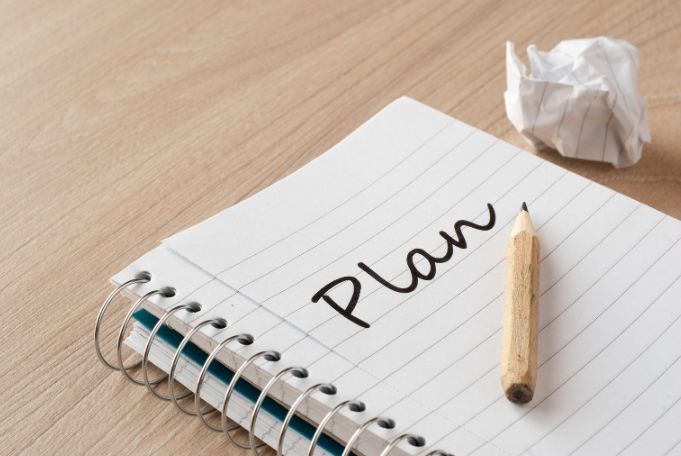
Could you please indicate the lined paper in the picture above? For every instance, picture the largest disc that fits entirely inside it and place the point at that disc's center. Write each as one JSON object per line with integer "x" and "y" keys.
{"x": 610, "y": 332}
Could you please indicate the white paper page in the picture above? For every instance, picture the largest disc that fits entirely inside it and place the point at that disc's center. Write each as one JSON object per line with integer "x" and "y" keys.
{"x": 610, "y": 285}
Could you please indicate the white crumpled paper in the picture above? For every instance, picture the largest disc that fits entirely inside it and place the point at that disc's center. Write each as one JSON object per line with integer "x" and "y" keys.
{"x": 580, "y": 99}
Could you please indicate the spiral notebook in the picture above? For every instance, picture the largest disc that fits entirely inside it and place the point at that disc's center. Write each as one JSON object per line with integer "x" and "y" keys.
{"x": 377, "y": 270}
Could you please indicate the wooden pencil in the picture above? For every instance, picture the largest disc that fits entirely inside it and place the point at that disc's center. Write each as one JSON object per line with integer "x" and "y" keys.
{"x": 521, "y": 302}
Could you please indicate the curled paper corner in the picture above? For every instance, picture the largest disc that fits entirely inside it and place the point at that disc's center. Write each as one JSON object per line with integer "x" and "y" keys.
{"x": 579, "y": 98}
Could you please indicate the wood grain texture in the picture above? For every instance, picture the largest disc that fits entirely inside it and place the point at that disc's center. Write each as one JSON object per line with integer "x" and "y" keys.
{"x": 518, "y": 361}
{"x": 124, "y": 122}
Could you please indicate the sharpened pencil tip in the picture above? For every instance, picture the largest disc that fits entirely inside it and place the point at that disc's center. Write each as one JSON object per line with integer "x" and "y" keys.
{"x": 524, "y": 207}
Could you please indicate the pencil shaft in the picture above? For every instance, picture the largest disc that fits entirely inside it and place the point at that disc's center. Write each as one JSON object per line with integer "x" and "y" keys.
{"x": 520, "y": 321}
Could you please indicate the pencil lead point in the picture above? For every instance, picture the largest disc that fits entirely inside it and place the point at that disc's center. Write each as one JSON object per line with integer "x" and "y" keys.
{"x": 524, "y": 207}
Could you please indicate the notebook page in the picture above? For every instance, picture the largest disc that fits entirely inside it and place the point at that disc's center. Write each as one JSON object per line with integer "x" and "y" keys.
{"x": 609, "y": 341}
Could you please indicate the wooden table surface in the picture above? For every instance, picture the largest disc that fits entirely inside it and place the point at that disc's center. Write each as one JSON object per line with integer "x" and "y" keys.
{"x": 124, "y": 122}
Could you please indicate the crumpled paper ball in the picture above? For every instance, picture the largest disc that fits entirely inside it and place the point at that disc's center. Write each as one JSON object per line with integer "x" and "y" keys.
{"x": 580, "y": 98}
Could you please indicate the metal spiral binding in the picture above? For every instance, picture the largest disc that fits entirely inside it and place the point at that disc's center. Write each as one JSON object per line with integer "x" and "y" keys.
{"x": 385, "y": 423}
{"x": 299, "y": 372}
{"x": 142, "y": 277}
{"x": 165, "y": 292}
{"x": 413, "y": 439}
{"x": 192, "y": 307}
{"x": 269, "y": 355}
{"x": 353, "y": 405}
{"x": 244, "y": 339}
{"x": 218, "y": 323}
{"x": 325, "y": 388}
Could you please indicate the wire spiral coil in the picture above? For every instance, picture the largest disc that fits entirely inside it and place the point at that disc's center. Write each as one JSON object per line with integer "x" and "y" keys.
{"x": 225, "y": 426}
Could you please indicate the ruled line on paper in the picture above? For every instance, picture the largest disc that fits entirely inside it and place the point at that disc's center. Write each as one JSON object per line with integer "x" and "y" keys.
{"x": 411, "y": 237}
{"x": 672, "y": 448}
{"x": 385, "y": 227}
{"x": 581, "y": 126}
{"x": 652, "y": 424}
{"x": 440, "y": 339}
{"x": 363, "y": 215}
{"x": 490, "y": 440}
{"x": 539, "y": 106}
{"x": 434, "y": 249}
{"x": 357, "y": 364}
{"x": 627, "y": 405}
{"x": 538, "y": 403}
{"x": 591, "y": 322}
{"x": 499, "y": 262}
{"x": 344, "y": 202}
{"x": 620, "y": 372}
{"x": 614, "y": 78}
{"x": 607, "y": 126}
